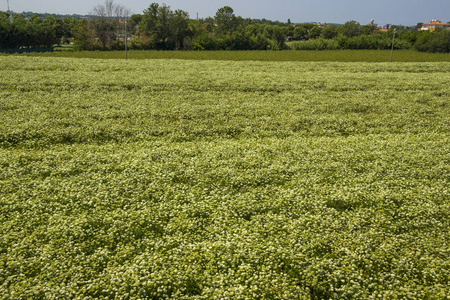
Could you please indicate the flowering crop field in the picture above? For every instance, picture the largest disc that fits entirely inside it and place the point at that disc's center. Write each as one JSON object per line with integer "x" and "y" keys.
{"x": 185, "y": 179}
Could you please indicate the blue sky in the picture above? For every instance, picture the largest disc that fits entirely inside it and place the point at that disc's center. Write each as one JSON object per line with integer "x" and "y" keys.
{"x": 404, "y": 12}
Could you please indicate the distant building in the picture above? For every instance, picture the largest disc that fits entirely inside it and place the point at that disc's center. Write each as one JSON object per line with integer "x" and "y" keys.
{"x": 435, "y": 24}
{"x": 321, "y": 25}
{"x": 385, "y": 28}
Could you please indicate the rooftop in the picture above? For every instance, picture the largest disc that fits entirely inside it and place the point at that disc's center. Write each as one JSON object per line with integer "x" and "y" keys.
{"x": 437, "y": 22}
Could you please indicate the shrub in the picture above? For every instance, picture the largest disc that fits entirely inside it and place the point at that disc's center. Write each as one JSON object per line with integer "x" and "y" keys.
{"x": 437, "y": 41}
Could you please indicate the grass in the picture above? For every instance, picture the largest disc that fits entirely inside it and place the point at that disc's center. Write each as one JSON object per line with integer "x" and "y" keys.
{"x": 326, "y": 55}
{"x": 190, "y": 179}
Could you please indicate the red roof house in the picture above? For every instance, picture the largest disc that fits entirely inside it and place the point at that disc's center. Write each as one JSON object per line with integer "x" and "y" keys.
{"x": 435, "y": 24}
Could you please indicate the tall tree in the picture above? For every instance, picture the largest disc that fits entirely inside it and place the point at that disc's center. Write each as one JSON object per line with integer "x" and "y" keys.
{"x": 315, "y": 32}
{"x": 300, "y": 33}
{"x": 225, "y": 20}
{"x": 81, "y": 36}
{"x": 181, "y": 27}
{"x": 165, "y": 28}
{"x": 102, "y": 25}
{"x": 328, "y": 32}
{"x": 149, "y": 22}
{"x": 6, "y": 30}
{"x": 107, "y": 23}
{"x": 350, "y": 29}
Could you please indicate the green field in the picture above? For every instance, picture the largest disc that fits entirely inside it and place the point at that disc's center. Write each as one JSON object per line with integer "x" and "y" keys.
{"x": 210, "y": 179}
{"x": 303, "y": 55}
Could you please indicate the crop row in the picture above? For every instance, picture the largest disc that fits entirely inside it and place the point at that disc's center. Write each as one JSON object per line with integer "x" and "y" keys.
{"x": 105, "y": 101}
{"x": 223, "y": 180}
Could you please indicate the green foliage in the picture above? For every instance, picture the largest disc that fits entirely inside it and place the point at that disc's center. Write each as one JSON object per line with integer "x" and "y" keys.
{"x": 315, "y": 32}
{"x": 436, "y": 41}
{"x": 5, "y": 32}
{"x": 203, "y": 41}
{"x": 329, "y": 32}
{"x": 181, "y": 179}
{"x": 104, "y": 30}
{"x": 350, "y": 29}
{"x": 300, "y": 33}
{"x": 260, "y": 42}
{"x": 35, "y": 32}
{"x": 275, "y": 34}
{"x": 226, "y": 20}
{"x": 160, "y": 28}
{"x": 166, "y": 29}
{"x": 371, "y": 42}
{"x": 82, "y": 38}
{"x": 362, "y": 42}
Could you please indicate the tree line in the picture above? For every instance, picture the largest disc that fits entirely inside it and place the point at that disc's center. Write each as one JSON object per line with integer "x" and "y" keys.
{"x": 161, "y": 28}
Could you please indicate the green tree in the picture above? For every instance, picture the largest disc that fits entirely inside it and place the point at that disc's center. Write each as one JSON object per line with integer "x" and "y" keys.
{"x": 315, "y": 32}
{"x": 254, "y": 29}
{"x": 51, "y": 32}
{"x": 156, "y": 23}
{"x": 300, "y": 33}
{"x": 275, "y": 33}
{"x": 21, "y": 35}
{"x": 165, "y": 28}
{"x": 368, "y": 29}
{"x": 181, "y": 27}
{"x": 104, "y": 31}
{"x": 329, "y": 32}
{"x": 260, "y": 42}
{"x": 289, "y": 30}
{"x": 149, "y": 22}
{"x": 225, "y": 20}
{"x": 81, "y": 36}
{"x": 435, "y": 41}
{"x": 6, "y": 32}
{"x": 350, "y": 29}
{"x": 68, "y": 27}
{"x": 34, "y": 31}
{"x": 133, "y": 23}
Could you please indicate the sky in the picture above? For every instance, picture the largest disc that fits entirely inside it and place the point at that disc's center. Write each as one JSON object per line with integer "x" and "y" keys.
{"x": 399, "y": 12}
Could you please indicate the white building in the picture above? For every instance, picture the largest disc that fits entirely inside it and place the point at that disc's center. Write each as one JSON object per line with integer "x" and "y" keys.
{"x": 435, "y": 24}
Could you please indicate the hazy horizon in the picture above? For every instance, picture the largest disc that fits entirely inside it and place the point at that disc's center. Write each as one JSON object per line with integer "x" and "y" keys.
{"x": 400, "y": 12}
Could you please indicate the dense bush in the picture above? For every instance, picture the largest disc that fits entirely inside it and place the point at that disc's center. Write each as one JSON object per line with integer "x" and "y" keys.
{"x": 371, "y": 42}
{"x": 435, "y": 41}
{"x": 35, "y": 32}
{"x": 362, "y": 42}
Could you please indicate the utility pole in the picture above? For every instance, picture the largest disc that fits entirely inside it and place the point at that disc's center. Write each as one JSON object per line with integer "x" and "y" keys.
{"x": 126, "y": 13}
{"x": 126, "y": 39}
{"x": 9, "y": 11}
{"x": 392, "y": 49}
